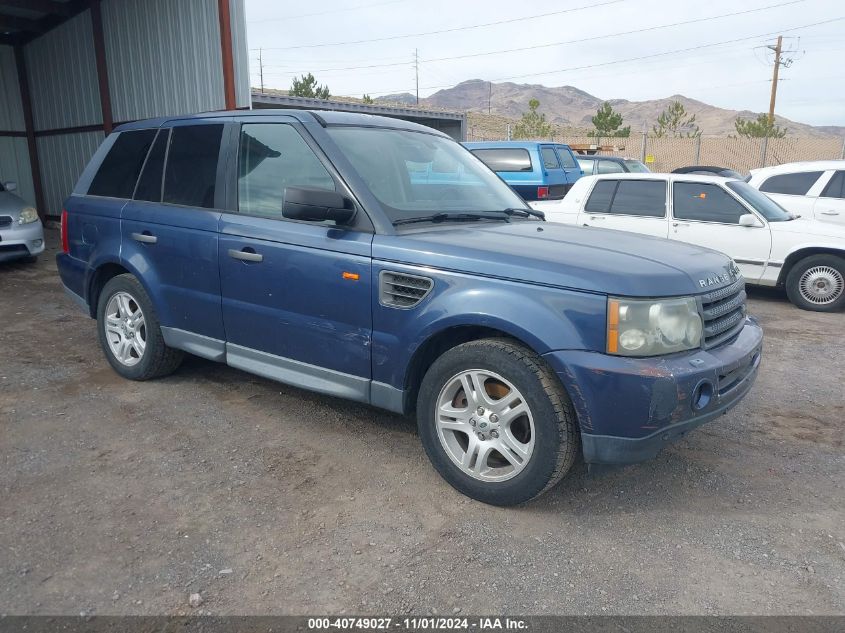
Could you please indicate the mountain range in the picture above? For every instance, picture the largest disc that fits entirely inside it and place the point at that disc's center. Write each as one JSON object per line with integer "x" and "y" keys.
{"x": 570, "y": 107}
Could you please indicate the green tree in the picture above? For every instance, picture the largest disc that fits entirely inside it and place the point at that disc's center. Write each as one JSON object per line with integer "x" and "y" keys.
{"x": 533, "y": 124}
{"x": 367, "y": 99}
{"x": 674, "y": 121}
{"x": 607, "y": 123}
{"x": 759, "y": 128}
{"x": 306, "y": 86}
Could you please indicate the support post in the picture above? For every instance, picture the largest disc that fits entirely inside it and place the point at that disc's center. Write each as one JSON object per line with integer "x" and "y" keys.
{"x": 32, "y": 146}
{"x": 102, "y": 67}
{"x": 644, "y": 147}
{"x": 697, "y": 150}
{"x": 764, "y": 146}
{"x": 225, "y": 18}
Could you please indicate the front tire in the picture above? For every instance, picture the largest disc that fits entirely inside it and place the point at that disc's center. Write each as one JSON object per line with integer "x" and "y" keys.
{"x": 495, "y": 422}
{"x": 817, "y": 283}
{"x": 130, "y": 333}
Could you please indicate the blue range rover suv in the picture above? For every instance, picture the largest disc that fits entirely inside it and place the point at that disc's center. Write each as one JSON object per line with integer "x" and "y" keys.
{"x": 313, "y": 249}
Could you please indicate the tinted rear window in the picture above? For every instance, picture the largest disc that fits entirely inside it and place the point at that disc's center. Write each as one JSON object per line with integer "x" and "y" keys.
{"x": 549, "y": 158}
{"x": 566, "y": 158}
{"x": 836, "y": 187}
{"x": 505, "y": 159}
{"x": 149, "y": 185}
{"x": 792, "y": 184}
{"x": 601, "y": 197}
{"x": 640, "y": 197}
{"x": 119, "y": 171}
{"x": 191, "y": 171}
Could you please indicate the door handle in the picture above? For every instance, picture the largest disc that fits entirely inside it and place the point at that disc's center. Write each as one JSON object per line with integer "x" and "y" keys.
{"x": 677, "y": 224}
{"x": 247, "y": 256}
{"x": 597, "y": 217}
{"x": 144, "y": 238}
{"x": 831, "y": 212}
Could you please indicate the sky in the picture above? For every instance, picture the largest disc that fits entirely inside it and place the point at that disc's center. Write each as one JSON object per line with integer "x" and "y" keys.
{"x": 713, "y": 51}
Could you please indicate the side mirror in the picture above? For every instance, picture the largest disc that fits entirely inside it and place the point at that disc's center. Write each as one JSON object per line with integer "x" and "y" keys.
{"x": 317, "y": 205}
{"x": 748, "y": 219}
{"x": 10, "y": 186}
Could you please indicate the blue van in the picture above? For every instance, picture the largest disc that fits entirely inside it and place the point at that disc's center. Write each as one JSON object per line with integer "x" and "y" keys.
{"x": 535, "y": 170}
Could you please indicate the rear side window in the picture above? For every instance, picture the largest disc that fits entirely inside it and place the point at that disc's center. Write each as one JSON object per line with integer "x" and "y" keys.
{"x": 791, "y": 184}
{"x": 271, "y": 157}
{"x": 566, "y": 158}
{"x": 610, "y": 167}
{"x": 149, "y": 184}
{"x": 836, "y": 187}
{"x": 119, "y": 171}
{"x": 705, "y": 202}
{"x": 505, "y": 159}
{"x": 586, "y": 166}
{"x": 640, "y": 197}
{"x": 601, "y": 197}
{"x": 549, "y": 158}
{"x": 191, "y": 172}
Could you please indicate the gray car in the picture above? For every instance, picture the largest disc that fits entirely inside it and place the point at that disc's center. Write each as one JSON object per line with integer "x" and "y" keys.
{"x": 21, "y": 232}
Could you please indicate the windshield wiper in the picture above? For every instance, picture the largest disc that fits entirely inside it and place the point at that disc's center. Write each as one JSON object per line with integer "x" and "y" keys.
{"x": 455, "y": 217}
{"x": 525, "y": 212}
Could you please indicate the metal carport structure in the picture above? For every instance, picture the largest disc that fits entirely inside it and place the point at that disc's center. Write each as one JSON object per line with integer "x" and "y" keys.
{"x": 71, "y": 70}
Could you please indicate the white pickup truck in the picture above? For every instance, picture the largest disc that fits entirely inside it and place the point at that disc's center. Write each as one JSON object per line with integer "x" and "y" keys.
{"x": 770, "y": 246}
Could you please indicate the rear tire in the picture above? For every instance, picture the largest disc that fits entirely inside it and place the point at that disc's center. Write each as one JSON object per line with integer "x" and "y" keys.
{"x": 487, "y": 445}
{"x": 130, "y": 333}
{"x": 817, "y": 283}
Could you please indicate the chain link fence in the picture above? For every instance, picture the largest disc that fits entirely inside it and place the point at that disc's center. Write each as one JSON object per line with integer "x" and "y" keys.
{"x": 665, "y": 154}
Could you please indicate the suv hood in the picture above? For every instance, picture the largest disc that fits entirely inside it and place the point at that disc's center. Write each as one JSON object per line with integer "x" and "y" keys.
{"x": 583, "y": 258}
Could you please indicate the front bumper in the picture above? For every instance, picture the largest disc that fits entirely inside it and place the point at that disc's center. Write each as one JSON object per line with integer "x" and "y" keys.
{"x": 630, "y": 408}
{"x": 26, "y": 240}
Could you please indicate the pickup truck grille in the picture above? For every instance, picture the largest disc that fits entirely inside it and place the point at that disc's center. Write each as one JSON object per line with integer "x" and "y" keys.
{"x": 5, "y": 221}
{"x": 398, "y": 290}
{"x": 723, "y": 312}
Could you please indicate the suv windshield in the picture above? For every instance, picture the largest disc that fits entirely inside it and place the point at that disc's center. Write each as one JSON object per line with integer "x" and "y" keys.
{"x": 762, "y": 203}
{"x": 635, "y": 166}
{"x": 415, "y": 175}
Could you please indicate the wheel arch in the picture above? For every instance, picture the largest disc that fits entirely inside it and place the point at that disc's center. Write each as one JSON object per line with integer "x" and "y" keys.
{"x": 801, "y": 253}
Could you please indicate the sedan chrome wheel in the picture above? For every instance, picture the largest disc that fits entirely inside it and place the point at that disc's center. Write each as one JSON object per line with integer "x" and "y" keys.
{"x": 125, "y": 329}
{"x": 485, "y": 425}
{"x": 821, "y": 285}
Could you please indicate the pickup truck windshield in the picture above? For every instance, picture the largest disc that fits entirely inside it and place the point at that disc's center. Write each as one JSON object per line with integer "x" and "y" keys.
{"x": 762, "y": 203}
{"x": 414, "y": 174}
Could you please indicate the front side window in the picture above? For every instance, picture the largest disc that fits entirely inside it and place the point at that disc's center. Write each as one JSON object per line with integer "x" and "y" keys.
{"x": 836, "y": 187}
{"x": 704, "y": 202}
{"x": 797, "y": 184}
{"x": 414, "y": 174}
{"x": 586, "y": 166}
{"x": 610, "y": 167}
{"x": 191, "y": 172}
{"x": 549, "y": 158}
{"x": 272, "y": 157}
{"x": 119, "y": 171}
{"x": 505, "y": 159}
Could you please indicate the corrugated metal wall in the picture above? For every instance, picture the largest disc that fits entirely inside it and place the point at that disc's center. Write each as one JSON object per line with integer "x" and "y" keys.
{"x": 14, "y": 155}
{"x": 62, "y": 75}
{"x": 240, "y": 54}
{"x": 63, "y": 157}
{"x": 163, "y": 57}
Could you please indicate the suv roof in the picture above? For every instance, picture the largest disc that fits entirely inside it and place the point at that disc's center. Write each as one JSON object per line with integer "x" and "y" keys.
{"x": 615, "y": 159}
{"x": 516, "y": 144}
{"x": 806, "y": 165}
{"x": 323, "y": 117}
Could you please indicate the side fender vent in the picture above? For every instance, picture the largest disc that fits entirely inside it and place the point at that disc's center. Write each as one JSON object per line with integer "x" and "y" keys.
{"x": 398, "y": 290}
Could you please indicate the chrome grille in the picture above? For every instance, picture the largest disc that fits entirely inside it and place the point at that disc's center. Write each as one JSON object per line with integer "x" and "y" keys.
{"x": 723, "y": 312}
{"x": 5, "y": 221}
{"x": 398, "y": 290}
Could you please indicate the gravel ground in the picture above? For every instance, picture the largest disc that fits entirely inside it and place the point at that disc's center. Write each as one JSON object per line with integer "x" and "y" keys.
{"x": 125, "y": 498}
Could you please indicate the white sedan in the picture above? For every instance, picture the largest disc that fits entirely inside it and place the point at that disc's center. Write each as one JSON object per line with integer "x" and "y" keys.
{"x": 812, "y": 189}
{"x": 770, "y": 246}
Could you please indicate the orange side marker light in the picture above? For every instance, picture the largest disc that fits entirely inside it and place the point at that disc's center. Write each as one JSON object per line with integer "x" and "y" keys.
{"x": 351, "y": 276}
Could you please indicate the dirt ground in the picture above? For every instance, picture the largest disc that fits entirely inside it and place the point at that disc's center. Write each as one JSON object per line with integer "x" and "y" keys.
{"x": 123, "y": 498}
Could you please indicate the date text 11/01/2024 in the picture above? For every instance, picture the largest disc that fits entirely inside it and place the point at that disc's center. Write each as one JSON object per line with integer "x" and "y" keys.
{"x": 418, "y": 623}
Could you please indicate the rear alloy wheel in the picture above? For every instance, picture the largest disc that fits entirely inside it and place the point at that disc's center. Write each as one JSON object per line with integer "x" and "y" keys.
{"x": 129, "y": 331}
{"x": 817, "y": 283}
{"x": 495, "y": 422}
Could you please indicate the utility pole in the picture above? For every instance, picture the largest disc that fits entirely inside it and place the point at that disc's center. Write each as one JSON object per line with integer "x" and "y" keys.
{"x": 489, "y": 95}
{"x": 261, "y": 69}
{"x": 417, "y": 72}
{"x": 778, "y": 49}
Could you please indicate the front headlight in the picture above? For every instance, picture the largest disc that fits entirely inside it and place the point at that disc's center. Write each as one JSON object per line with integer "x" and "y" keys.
{"x": 28, "y": 215}
{"x": 650, "y": 327}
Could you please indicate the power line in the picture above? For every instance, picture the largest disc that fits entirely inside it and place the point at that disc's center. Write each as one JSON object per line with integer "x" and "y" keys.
{"x": 451, "y": 30}
{"x": 638, "y": 58}
{"x": 326, "y": 12}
